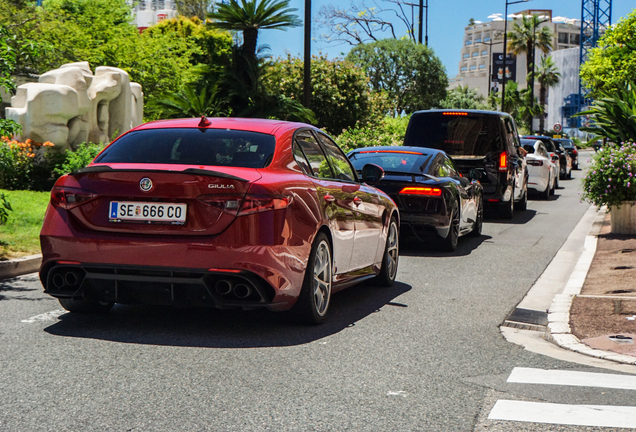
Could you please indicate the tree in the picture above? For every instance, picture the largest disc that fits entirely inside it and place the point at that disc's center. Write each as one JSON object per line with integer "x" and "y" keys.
{"x": 526, "y": 37}
{"x": 194, "y": 100}
{"x": 548, "y": 76}
{"x": 411, "y": 75}
{"x": 250, "y": 16}
{"x": 194, "y": 8}
{"x": 613, "y": 62}
{"x": 340, "y": 92}
{"x": 464, "y": 98}
{"x": 614, "y": 114}
{"x": 360, "y": 23}
{"x": 520, "y": 105}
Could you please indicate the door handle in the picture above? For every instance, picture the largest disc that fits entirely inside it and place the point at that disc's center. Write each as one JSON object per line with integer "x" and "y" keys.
{"x": 357, "y": 201}
{"x": 329, "y": 198}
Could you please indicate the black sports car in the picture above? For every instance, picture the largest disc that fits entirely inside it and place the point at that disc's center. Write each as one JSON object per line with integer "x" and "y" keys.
{"x": 431, "y": 194}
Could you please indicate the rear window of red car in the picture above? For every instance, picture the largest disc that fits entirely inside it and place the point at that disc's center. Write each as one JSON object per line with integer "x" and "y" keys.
{"x": 188, "y": 146}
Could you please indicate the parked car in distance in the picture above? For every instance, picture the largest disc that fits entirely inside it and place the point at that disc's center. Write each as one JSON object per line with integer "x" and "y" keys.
{"x": 432, "y": 196}
{"x": 572, "y": 150}
{"x": 542, "y": 172}
{"x": 221, "y": 212}
{"x": 564, "y": 161}
{"x": 485, "y": 141}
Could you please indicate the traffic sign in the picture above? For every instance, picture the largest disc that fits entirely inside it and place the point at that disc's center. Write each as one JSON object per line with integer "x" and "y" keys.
{"x": 557, "y": 127}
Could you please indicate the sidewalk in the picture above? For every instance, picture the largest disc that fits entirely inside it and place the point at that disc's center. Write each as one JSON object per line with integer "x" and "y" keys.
{"x": 603, "y": 315}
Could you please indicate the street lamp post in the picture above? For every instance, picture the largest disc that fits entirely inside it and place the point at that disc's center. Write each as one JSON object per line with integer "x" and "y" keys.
{"x": 490, "y": 44}
{"x": 307, "y": 59}
{"x": 505, "y": 53}
{"x": 533, "y": 56}
{"x": 421, "y": 6}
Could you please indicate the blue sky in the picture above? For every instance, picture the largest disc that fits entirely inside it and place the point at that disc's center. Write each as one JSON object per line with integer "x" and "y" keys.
{"x": 447, "y": 19}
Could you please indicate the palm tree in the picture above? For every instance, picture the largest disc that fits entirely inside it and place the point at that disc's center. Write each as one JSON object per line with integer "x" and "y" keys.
{"x": 526, "y": 37}
{"x": 252, "y": 15}
{"x": 194, "y": 100}
{"x": 548, "y": 76}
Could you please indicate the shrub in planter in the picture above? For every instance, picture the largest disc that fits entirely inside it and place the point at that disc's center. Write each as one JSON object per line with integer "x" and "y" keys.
{"x": 611, "y": 178}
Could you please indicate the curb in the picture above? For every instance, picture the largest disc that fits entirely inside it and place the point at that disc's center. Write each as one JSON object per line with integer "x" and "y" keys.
{"x": 558, "y": 329}
{"x": 20, "y": 266}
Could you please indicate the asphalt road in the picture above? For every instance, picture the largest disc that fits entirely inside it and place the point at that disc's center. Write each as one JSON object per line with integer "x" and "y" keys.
{"x": 425, "y": 355}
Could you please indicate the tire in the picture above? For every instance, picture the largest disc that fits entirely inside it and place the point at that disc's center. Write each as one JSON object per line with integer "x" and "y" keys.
{"x": 522, "y": 205}
{"x": 75, "y": 305}
{"x": 556, "y": 184}
{"x": 551, "y": 190}
{"x": 313, "y": 302}
{"x": 479, "y": 223}
{"x": 507, "y": 210}
{"x": 391, "y": 256}
{"x": 449, "y": 244}
{"x": 546, "y": 194}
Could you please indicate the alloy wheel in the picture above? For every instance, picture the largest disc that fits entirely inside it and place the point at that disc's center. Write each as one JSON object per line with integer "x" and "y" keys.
{"x": 321, "y": 286}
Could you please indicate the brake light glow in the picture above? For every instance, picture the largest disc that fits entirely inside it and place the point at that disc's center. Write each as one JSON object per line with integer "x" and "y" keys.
{"x": 224, "y": 270}
{"x": 69, "y": 262}
{"x": 426, "y": 191}
{"x": 68, "y": 198}
{"x": 391, "y": 151}
{"x": 455, "y": 114}
{"x": 503, "y": 161}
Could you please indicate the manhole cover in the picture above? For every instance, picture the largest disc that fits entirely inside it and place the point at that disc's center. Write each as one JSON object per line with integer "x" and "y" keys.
{"x": 623, "y": 268}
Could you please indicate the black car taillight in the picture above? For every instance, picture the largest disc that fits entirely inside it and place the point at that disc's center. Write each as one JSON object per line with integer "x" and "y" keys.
{"x": 68, "y": 198}
{"x": 503, "y": 161}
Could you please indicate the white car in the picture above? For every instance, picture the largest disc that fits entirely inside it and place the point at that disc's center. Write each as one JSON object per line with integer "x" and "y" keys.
{"x": 542, "y": 172}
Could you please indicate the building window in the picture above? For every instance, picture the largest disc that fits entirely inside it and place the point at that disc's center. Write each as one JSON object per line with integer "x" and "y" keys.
{"x": 463, "y": 69}
{"x": 484, "y": 53}
{"x": 475, "y": 54}
{"x": 563, "y": 38}
{"x": 482, "y": 66}
{"x": 473, "y": 67}
{"x": 142, "y": 5}
{"x": 477, "y": 40}
{"x": 575, "y": 39}
{"x": 487, "y": 39}
{"x": 469, "y": 42}
{"x": 466, "y": 55}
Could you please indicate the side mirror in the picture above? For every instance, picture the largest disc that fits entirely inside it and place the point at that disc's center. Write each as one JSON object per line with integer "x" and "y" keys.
{"x": 555, "y": 157}
{"x": 473, "y": 174}
{"x": 372, "y": 173}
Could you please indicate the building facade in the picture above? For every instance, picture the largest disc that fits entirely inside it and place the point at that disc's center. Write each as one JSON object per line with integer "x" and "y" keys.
{"x": 150, "y": 12}
{"x": 482, "y": 40}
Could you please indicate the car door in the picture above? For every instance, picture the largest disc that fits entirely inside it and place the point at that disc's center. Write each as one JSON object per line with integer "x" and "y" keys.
{"x": 468, "y": 211}
{"x": 334, "y": 196}
{"x": 517, "y": 161}
{"x": 367, "y": 205}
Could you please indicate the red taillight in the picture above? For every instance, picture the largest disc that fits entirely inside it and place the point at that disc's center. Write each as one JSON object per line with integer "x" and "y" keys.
{"x": 68, "y": 198}
{"x": 503, "y": 161}
{"x": 392, "y": 151}
{"x": 575, "y": 152}
{"x": 260, "y": 203}
{"x": 224, "y": 270}
{"x": 455, "y": 113}
{"x": 426, "y": 191}
{"x": 250, "y": 204}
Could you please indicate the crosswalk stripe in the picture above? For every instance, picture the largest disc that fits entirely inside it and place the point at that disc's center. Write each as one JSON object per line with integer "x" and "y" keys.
{"x": 576, "y": 415}
{"x": 572, "y": 378}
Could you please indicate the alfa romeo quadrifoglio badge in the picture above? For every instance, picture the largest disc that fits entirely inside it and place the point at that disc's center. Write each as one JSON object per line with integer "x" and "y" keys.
{"x": 145, "y": 184}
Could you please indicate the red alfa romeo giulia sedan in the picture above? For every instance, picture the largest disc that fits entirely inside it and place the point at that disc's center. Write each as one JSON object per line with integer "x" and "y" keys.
{"x": 217, "y": 212}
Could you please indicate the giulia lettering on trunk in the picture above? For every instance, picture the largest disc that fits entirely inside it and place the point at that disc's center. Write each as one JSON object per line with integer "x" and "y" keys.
{"x": 220, "y": 186}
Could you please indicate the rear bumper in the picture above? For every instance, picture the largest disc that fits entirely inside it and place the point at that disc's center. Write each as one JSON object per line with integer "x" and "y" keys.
{"x": 423, "y": 226}
{"x": 173, "y": 270}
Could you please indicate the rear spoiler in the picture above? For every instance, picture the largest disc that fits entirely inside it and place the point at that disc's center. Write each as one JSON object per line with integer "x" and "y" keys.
{"x": 195, "y": 171}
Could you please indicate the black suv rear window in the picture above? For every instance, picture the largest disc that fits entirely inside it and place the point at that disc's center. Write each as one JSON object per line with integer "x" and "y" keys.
{"x": 187, "y": 146}
{"x": 460, "y": 134}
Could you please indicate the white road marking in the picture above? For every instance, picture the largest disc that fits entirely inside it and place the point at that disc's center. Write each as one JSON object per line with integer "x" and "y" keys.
{"x": 48, "y": 316}
{"x": 397, "y": 393}
{"x": 576, "y": 415}
{"x": 572, "y": 378}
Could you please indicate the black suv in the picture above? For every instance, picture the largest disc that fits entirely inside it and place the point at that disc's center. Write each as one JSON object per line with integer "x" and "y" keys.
{"x": 485, "y": 141}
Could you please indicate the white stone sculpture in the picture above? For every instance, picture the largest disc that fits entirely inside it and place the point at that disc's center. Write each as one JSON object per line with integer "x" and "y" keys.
{"x": 70, "y": 105}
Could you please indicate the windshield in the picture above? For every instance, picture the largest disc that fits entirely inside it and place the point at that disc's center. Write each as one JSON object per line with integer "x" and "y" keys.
{"x": 392, "y": 161}
{"x": 189, "y": 146}
{"x": 458, "y": 134}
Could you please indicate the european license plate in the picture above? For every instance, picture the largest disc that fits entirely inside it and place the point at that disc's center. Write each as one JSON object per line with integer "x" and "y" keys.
{"x": 147, "y": 212}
